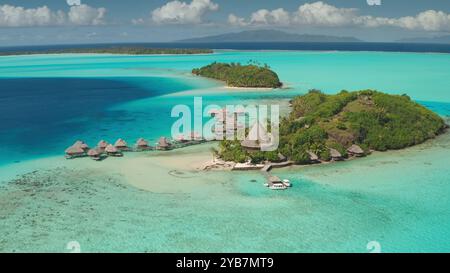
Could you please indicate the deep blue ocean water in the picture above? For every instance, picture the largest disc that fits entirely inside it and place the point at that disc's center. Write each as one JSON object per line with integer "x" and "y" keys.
{"x": 41, "y": 116}
{"x": 386, "y": 47}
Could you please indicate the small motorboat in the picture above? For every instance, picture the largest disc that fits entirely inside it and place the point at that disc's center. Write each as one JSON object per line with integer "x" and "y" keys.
{"x": 278, "y": 187}
{"x": 287, "y": 183}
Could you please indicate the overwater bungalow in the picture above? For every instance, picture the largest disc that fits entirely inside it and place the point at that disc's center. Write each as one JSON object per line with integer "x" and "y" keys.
{"x": 163, "y": 144}
{"x": 181, "y": 139}
{"x": 196, "y": 137}
{"x": 355, "y": 150}
{"x": 335, "y": 155}
{"x": 113, "y": 151}
{"x": 74, "y": 151}
{"x": 81, "y": 144}
{"x": 142, "y": 145}
{"x": 256, "y": 138}
{"x": 94, "y": 154}
{"x": 101, "y": 146}
{"x": 121, "y": 145}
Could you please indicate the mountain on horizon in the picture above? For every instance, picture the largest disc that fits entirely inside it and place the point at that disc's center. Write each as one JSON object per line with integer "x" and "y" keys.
{"x": 432, "y": 40}
{"x": 268, "y": 36}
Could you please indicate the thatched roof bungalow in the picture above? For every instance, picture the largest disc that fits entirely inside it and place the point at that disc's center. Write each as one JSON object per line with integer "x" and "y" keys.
{"x": 121, "y": 144}
{"x": 81, "y": 145}
{"x": 112, "y": 151}
{"x": 163, "y": 144}
{"x": 335, "y": 154}
{"x": 355, "y": 150}
{"x": 257, "y": 137}
{"x": 142, "y": 144}
{"x": 102, "y": 145}
{"x": 196, "y": 136}
{"x": 75, "y": 151}
{"x": 94, "y": 154}
{"x": 313, "y": 157}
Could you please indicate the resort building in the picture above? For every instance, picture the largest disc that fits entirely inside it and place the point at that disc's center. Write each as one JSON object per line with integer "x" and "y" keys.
{"x": 81, "y": 145}
{"x": 222, "y": 116}
{"x": 101, "y": 146}
{"x": 121, "y": 145}
{"x": 335, "y": 155}
{"x": 142, "y": 144}
{"x": 74, "y": 151}
{"x": 314, "y": 158}
{"x": 163, "y": 144}
{"x": 355, "y": 150}
{"x": 257, "y": 137}
{"x": 94, "y": 154}
{"x": 112, "y": 151}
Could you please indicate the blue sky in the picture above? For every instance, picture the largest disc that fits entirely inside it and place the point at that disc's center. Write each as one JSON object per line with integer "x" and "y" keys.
{"x": 94, "y": 21}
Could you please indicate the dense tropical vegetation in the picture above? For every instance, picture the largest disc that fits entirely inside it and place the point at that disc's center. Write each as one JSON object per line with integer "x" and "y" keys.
{"x": 237, "y": 75}
{"x": 111, "y": 50}
{"x": 370, "y": 119}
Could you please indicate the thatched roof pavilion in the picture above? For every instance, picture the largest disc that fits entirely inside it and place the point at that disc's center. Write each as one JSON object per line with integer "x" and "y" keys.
{"x": 196, "y": 136}
{"x": 142, "y": 144}
{"x": 281, "y": 157}
{"x": 93, "y": 153}
{"x": 312, "y": 156}
{"x": 121, "y": 144}
{"x": 256, "y": 137}
{"x": 163, "y": 143}
{"x": 181, "y": 138}
{"x": 335, "y": 154}
{"x": 75, "y": 150}
{"x": 81, "y": 144}
{"x": 110, "y": 149}
{"x": 102, "y": 145}
{"x": 355, "y": 150}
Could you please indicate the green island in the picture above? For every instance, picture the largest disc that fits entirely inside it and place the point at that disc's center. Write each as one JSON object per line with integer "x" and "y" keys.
{"x": 324, "y": 128}
{"x": 237, "y": 75}
{"x": 112, "y": 50}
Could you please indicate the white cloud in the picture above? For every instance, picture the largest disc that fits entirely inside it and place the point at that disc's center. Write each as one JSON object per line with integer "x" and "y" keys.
{"x": 275, "y": 17}
{"x": 429, "y": 20}
{"x": 176, "y": 12}
{"x": 85, "y": 15}
{"x": 73, "y": 2}
{"x": 322, "y": 14}
{"x": 11, "y": 16}
{"x": 138, "y": 21}
{"x": 16, "y": 16}
{"x": 236, "y": 21}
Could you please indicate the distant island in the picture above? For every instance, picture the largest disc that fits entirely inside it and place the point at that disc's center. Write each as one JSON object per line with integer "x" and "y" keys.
{"x": 112, "y": 50}
{"x": 237, "y": 75}
{"x": 425, "y": 40}
{"x": 324, "y": 128}
{"x": 268, "y": 36}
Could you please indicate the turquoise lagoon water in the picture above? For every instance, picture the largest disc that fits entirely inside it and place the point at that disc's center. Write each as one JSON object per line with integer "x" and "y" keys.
{"x": 399, "y": 199}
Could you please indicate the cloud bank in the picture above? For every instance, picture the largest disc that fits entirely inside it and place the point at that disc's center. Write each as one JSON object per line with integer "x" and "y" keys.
{"x": 176, "y": 12}
{"x": 82, "y": 15}
{"x": 325, "y": 15}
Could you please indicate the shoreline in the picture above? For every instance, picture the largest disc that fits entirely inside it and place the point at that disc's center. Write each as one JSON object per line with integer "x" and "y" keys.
{"x": 188, "y": 164}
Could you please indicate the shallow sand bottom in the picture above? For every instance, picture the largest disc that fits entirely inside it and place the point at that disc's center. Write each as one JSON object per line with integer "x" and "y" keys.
{"x": 160, "y": 202}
